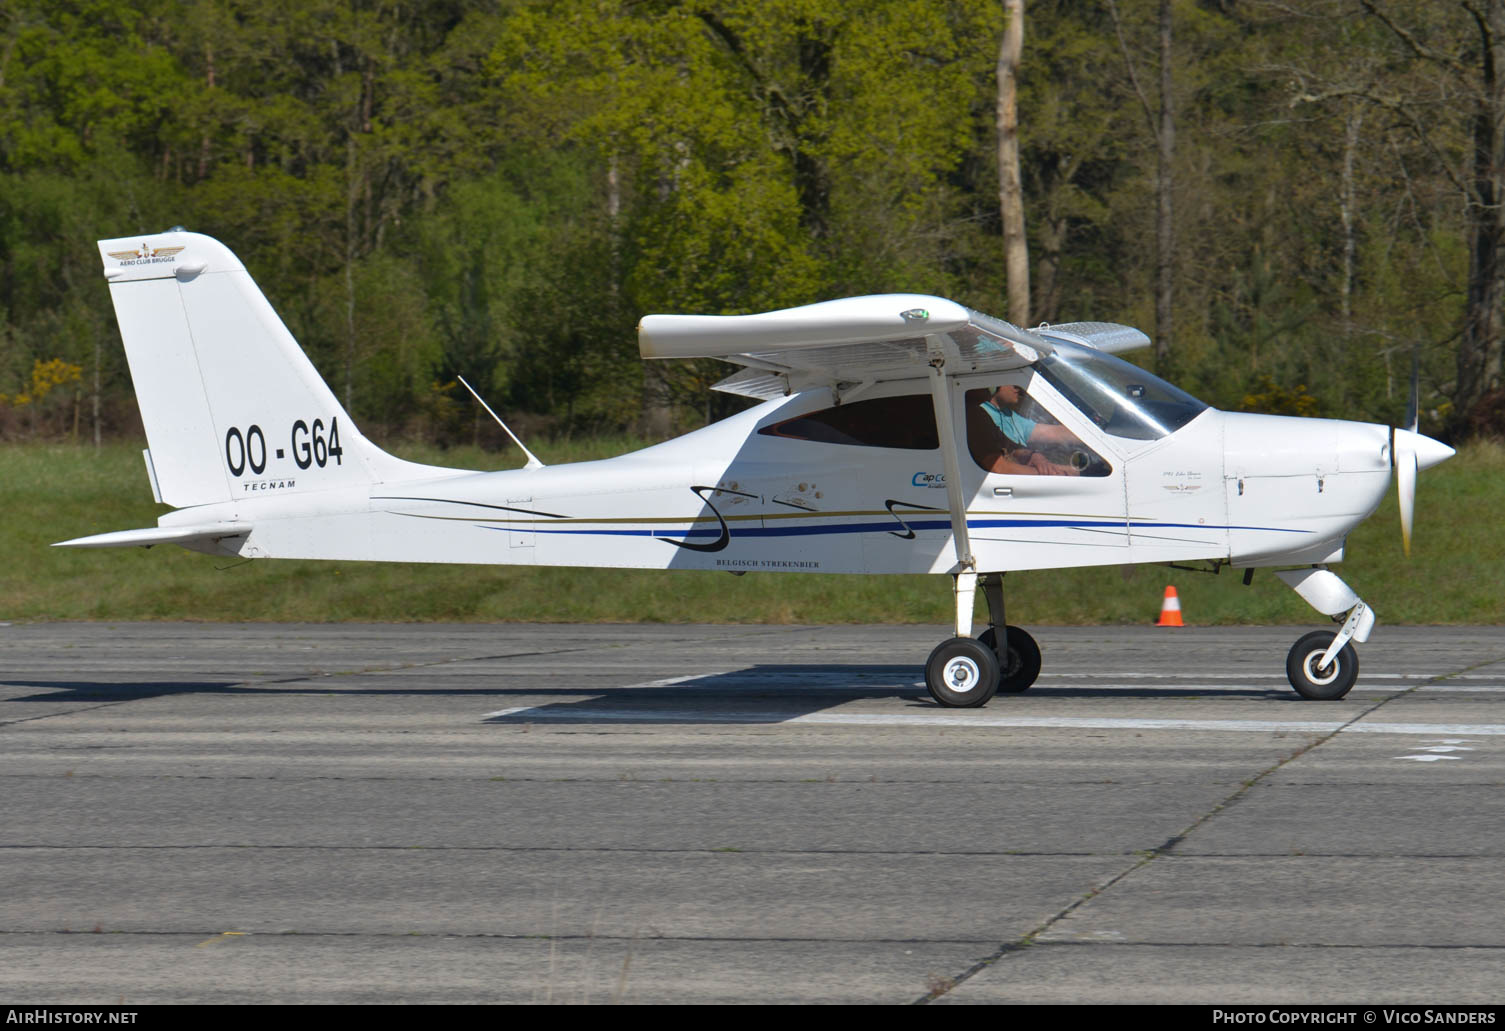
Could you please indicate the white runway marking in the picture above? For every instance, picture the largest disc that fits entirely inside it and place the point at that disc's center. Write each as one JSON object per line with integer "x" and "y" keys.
{"x": 849, "y": 674}
{"x": 1456, "y": 688}
{"x": 1245, "y": 676}
{"x": 627, "y": 715}
{"x": 856, "y": 681}
{"x": 1438, "y": 752}
{"x": 865, "y": 681}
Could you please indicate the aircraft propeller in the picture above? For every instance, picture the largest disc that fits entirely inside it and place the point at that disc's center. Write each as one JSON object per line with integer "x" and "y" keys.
{"x": 1410, "y": 452}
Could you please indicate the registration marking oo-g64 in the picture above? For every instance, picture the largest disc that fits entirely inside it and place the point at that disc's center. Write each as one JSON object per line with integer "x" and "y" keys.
{"x": 246, "y": 451}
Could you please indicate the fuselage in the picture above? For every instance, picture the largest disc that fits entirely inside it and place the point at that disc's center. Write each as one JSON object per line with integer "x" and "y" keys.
{"x": 775, "y": 488}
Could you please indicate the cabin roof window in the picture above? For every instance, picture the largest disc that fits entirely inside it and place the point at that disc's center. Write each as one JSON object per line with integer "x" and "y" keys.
{"x": 906, "y": 423}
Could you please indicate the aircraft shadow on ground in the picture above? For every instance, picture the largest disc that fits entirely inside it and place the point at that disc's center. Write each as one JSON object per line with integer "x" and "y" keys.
{"x": 762, "y": 693}
{"x": 53, "y": 691}
{"x": 765, "y": 693}
{"x": 774, "y": 693}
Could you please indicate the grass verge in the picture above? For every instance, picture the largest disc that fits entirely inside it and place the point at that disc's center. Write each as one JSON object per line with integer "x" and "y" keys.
{"x": 54, "y": 492}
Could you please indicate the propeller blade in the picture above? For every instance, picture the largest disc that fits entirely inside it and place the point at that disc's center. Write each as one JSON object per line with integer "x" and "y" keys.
{"x": 1409, "y": 453}
{"x": 1403, "y": 454}
{"x": 1405, "y": 488}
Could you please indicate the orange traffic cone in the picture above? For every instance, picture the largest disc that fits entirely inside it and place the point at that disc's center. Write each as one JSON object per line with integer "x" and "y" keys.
{"x": 1170, "y": 609}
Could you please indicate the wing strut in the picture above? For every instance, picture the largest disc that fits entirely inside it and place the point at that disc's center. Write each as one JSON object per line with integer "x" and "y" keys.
{"x": 966, "y": 565}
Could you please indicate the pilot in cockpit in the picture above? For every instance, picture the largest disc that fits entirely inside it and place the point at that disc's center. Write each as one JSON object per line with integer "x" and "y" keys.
{"x": 1003, "y": 440}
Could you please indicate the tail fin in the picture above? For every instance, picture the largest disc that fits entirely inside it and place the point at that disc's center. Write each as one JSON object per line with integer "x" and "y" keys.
{"x": 231, "y": 404}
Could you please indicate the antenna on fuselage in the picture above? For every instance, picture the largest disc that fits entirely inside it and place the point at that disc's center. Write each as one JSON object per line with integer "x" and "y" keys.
{"x": 533, "y": 462}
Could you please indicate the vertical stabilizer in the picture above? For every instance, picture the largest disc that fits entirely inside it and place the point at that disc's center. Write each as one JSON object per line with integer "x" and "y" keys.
{"x": 231, "y": 405}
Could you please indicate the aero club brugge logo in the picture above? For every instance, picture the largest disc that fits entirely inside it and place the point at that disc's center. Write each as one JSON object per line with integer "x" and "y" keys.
{"x": 145, "y": 255}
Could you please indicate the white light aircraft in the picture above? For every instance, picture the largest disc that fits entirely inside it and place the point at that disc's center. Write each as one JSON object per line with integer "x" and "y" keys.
{"x": 897, "y": 433}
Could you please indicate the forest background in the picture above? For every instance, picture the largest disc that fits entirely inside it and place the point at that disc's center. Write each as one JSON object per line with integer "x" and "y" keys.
{"x": 1293, "y": 197}
{"x": 500, "y": 188}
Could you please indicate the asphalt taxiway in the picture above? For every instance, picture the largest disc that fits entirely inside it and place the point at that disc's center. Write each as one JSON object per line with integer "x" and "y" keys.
{"x": 516, "y": 813}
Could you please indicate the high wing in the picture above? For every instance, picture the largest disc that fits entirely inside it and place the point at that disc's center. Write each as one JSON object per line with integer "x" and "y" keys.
{"x": 844, "y": 344}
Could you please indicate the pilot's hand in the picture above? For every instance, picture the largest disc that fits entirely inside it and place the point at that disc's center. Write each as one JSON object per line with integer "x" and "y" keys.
{"x": 1045, "y": 467}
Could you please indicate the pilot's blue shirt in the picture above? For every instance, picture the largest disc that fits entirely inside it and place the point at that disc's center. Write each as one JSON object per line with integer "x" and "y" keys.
{"x": 1013, "y": 425}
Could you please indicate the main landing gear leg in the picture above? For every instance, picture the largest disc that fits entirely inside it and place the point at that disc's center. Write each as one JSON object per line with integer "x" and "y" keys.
{"x": 965, "y": 673}
{"x": 1323, "y": 665}
{"x": 1019, "y": 658}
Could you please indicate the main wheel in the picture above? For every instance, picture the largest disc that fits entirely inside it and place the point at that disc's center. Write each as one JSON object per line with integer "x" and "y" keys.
{"x": 1019, "y": 665}
{"x": 962, "y": 673}
{"x": 1321, "y": 684}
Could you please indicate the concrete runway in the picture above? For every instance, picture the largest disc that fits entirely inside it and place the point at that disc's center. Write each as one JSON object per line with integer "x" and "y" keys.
{"x": 209, "y": 813}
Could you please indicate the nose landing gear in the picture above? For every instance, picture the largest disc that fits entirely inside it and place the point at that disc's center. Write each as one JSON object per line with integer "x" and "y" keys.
{"x": 1314, "y": 679}
{"x": 1323, "y": 665}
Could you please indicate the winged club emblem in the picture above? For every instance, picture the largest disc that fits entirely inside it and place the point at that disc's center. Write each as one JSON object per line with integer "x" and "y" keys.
{"x": 144, "y": 252}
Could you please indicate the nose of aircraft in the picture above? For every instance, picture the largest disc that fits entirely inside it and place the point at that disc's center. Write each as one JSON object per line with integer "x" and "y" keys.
{"x": 1428, "y": 452}
{"x": 1413, "y": 452}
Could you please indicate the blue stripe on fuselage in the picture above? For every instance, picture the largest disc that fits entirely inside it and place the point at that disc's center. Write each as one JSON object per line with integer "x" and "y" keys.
{"x": 886, "y": 526}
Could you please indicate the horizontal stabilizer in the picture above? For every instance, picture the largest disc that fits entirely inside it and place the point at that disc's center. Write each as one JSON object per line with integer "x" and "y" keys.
{"x": 159, "y": 535}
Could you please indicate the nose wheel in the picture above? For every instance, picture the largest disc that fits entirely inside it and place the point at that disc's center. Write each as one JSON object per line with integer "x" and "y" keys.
{"x": 1323, "y": 665}
{"x": 1311, "y": 678}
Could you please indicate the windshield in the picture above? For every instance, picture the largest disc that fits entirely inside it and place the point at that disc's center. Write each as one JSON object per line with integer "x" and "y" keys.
{"x": 1121, "y": 398}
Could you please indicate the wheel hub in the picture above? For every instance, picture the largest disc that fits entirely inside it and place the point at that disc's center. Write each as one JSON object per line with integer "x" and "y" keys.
{"x": 1011, "y": 662}
{"x": 1314, "y": 670}
{"x": 961, "y": 675}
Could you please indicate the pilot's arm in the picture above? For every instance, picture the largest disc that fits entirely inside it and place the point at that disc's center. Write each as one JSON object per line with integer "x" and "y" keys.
{"x": 996, "y": 452}
{"x": 1047, "y": 433}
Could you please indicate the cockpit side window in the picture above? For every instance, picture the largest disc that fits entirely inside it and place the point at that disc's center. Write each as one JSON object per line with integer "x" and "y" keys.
{"x": 1009, "y": 432}
{"x": 906, "y": 423}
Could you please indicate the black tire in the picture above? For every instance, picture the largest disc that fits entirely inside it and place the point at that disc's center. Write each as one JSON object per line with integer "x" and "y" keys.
{"x": 1019, "y": 665}
{"x": 1321, "y": 685}
{"x": 962, "y": 673}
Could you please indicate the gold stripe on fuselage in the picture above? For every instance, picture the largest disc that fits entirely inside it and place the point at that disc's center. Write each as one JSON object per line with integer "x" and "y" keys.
{"x": 681, "y": 520}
